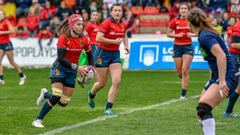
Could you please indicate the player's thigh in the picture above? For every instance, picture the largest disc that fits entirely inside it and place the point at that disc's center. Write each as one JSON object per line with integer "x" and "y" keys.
{"x": 178, "y": 64}
{"x": 115, "y": 70}
{"x": 1, "y": 55}
{"x": 212, "y": 96}
{"x": 102, "y": 74}
{"x": 186, "y": 61}
{"x": 68, "y": 91}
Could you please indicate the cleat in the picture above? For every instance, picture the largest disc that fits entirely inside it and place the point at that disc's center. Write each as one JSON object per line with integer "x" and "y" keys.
{"x": 231, "y": 115}
{"x": 2, "y": 82}
{"x": 108, "y": 112}
{"x": 91, "y": 102}
{"x": 22, "y": 80}
{"x": 41, "y": 98}
{"x": 38, "y": 123}
{"x": 183, "y": 97}
{"x": 79, "y": 80}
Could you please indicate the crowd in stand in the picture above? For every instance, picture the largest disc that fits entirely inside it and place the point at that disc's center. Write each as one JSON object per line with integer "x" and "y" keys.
{"x": 40, "y": 18}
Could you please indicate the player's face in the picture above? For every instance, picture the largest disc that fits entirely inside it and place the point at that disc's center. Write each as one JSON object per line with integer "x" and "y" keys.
{"x": 78, "y": 27}
{"x": 117, "y": 12}
{"x": 232, "y": 21}
{"x": 1, "y": 16}
{"x": 95, "y": 16}
{"x": 183, "y": 10}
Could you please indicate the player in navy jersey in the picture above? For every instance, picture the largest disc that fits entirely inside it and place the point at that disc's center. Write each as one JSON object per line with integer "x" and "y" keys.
{"x": 223, "y": 81}
{"x": 64, "y": 70}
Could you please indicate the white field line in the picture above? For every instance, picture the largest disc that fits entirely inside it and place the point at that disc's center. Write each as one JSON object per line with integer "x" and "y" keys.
{"x": 102, "y": 118}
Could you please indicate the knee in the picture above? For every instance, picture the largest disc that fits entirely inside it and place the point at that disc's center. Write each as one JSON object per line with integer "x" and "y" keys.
{"x": 101, "y": 84}
{"x": 185, "y": 70}
{"x": 204, "y": 111}
{"x": 54, "y": 100}
{"x": 116, "y": 82}
{"x": 64, "y": 100}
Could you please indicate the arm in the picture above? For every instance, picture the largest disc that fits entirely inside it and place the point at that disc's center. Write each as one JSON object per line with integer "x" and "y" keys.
{"x": 171, "y": 34}
{"x": 221, "y": 61}
{"x": 7, "y": 32}
{"x": 50, "y": 41}
{"x": 125, "y": 42}
{"x": 102, "y": 39}
{"x": 85, "y": 33}
{"x": 63, "y": 61}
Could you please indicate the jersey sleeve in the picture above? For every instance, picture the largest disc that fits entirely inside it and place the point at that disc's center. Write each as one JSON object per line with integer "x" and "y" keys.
{"x": 208, "y": 40}
{"x": 235, "y": 35}
{"x": 104, "y": 26}
{"x": 172, "y": 24}
{"x": 86, "y": 42}
{"x": 62, "y": 41}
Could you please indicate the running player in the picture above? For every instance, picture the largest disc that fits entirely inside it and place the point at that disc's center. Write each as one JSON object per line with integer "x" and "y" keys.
{"x": 63, "y": 73}
{"x": 107, "y": 57}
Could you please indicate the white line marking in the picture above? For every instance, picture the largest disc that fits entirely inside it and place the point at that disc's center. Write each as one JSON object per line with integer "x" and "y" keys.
{"x": 102, "y": 118}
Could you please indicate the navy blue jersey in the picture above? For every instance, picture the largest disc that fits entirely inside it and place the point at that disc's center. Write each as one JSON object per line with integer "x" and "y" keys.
{"x": 207, "y": 40}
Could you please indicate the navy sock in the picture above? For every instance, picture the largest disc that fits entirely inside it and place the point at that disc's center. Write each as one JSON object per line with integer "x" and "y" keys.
{"x": 45, "y": 109}
{"x": 184, "y": 92}
{"x": 109, "y": 105}
{"x": 21, "y": 75}
{"x": 47, "y": 95}
{"x": 231, "y": 102}
{"x": 91, "y": 95}
{"x": 1, "y": 77}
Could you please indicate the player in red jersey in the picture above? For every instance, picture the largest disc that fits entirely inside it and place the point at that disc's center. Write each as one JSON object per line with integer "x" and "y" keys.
{"x": 6, "y": 47}
{"x": 63, "y": 73}
{"x": 45, "y": 33}
{"x": 91, "y": 29}
{"x": 233, "y": 33}
{"x": 111, "y": 33}
{"x": 179, "y": 29}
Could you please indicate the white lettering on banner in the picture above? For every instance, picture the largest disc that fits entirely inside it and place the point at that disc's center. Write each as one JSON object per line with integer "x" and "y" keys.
{"x": 167, "y": 50}
{"x": 27, "y": 52}
{"x": 167, "y": 59}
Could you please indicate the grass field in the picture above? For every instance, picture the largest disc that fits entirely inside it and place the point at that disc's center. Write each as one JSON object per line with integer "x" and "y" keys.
{"x": 138, "y": 89}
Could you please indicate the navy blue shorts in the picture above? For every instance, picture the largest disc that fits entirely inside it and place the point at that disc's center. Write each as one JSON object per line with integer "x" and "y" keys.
{"x": 231, "y": 80}
{"x": 6, "y": 47}
{"x": 236, "y": 58}
{"x": 180, "y": 50}
{"x": 64, "y": 75}
{"x": 103, "y": 58}
{"x": 93, "y": 48}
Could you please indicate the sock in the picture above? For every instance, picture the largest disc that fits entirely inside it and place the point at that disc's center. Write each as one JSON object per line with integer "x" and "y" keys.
{"x": 109, "y": 105}
{"x": 47, "y": 95}
{"x": 21, "y": 75}
{"x": 184, "y": 92}
{"x": 1, "y": 77}
{"x": 231, "y": 102}
{"x": 91, "y": 95}
{"x": 208, "y": 126}
{"x": 45, "y": 109}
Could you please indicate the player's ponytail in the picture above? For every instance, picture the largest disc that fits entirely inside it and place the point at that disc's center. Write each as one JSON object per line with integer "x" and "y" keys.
{"x": 198, "y": 18}
{"x": 63, "y": 28}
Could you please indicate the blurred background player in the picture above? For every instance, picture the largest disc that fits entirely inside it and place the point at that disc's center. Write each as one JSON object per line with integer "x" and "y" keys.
{"x": 233, "y": 32}
{"x": 182, "y": 50}
{"x": 63, "y": 73}
{"x": 107, "y": 57}
{"x": 6, "y": 47}
{"x": 223, "y": 81}
{"x": 45, "y": 33}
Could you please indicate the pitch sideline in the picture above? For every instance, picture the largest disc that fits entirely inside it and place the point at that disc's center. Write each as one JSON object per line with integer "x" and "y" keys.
{"x": 102, "y": 118}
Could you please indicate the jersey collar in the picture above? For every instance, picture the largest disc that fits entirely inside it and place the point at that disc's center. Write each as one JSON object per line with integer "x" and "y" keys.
{"x": 112, "y": 19}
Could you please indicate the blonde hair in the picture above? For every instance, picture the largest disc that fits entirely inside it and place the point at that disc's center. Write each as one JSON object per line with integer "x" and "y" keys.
{"x": 63, "y": 28}
{"x": 3, "y": 13}
{"x": 198, "y": 18}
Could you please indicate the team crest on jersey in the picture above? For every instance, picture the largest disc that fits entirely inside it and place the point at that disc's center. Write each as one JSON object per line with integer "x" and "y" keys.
{"x": 57, "y": 72}
{"x": 99, "y": 61}
{"x": 81, "y": 43}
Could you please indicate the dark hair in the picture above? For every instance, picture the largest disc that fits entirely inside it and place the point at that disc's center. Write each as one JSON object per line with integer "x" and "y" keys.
{"x": 63, "y": 28}
{"x": 92, "y": 11}
{"x": 235, "y": 18}
{"x": 198, "y": 18}
{"x": 116, "y": 5}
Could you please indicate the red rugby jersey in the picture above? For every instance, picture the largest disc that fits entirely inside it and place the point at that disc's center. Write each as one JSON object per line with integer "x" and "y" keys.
{"x": 74, "y": 46}
{"x": 235, "y": 31}
{"x": 42, "y": 35}
{"x": 112, "y": 30}
{"x": 181, "y": 25}
{"x": 92, "y": 29}
{"x": 4, "y": 26}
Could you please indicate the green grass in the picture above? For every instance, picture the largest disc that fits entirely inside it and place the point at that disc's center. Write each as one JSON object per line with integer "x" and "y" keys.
{"x": 138, "y": 89}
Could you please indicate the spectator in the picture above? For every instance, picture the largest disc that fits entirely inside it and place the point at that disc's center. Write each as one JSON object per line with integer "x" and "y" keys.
{"x": 54, "y": 23}
{"x": 132, "y": 23}
{"x": 22, "y": 33}
{"x": 22, "y": 7}
{"x": 105, "y": 11}
{"x": 85, "y": 16}
{"x": 82, "y": 4}
{"x": 62, "y": 11}
{"x": 47, "y": 13}
{"x": 224, "y": 21}
{"x": 45, "y": 33}
{"x": 70, "y": 3}
{"x": 217, "y": 26}
{"x": 33, "y": 21}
